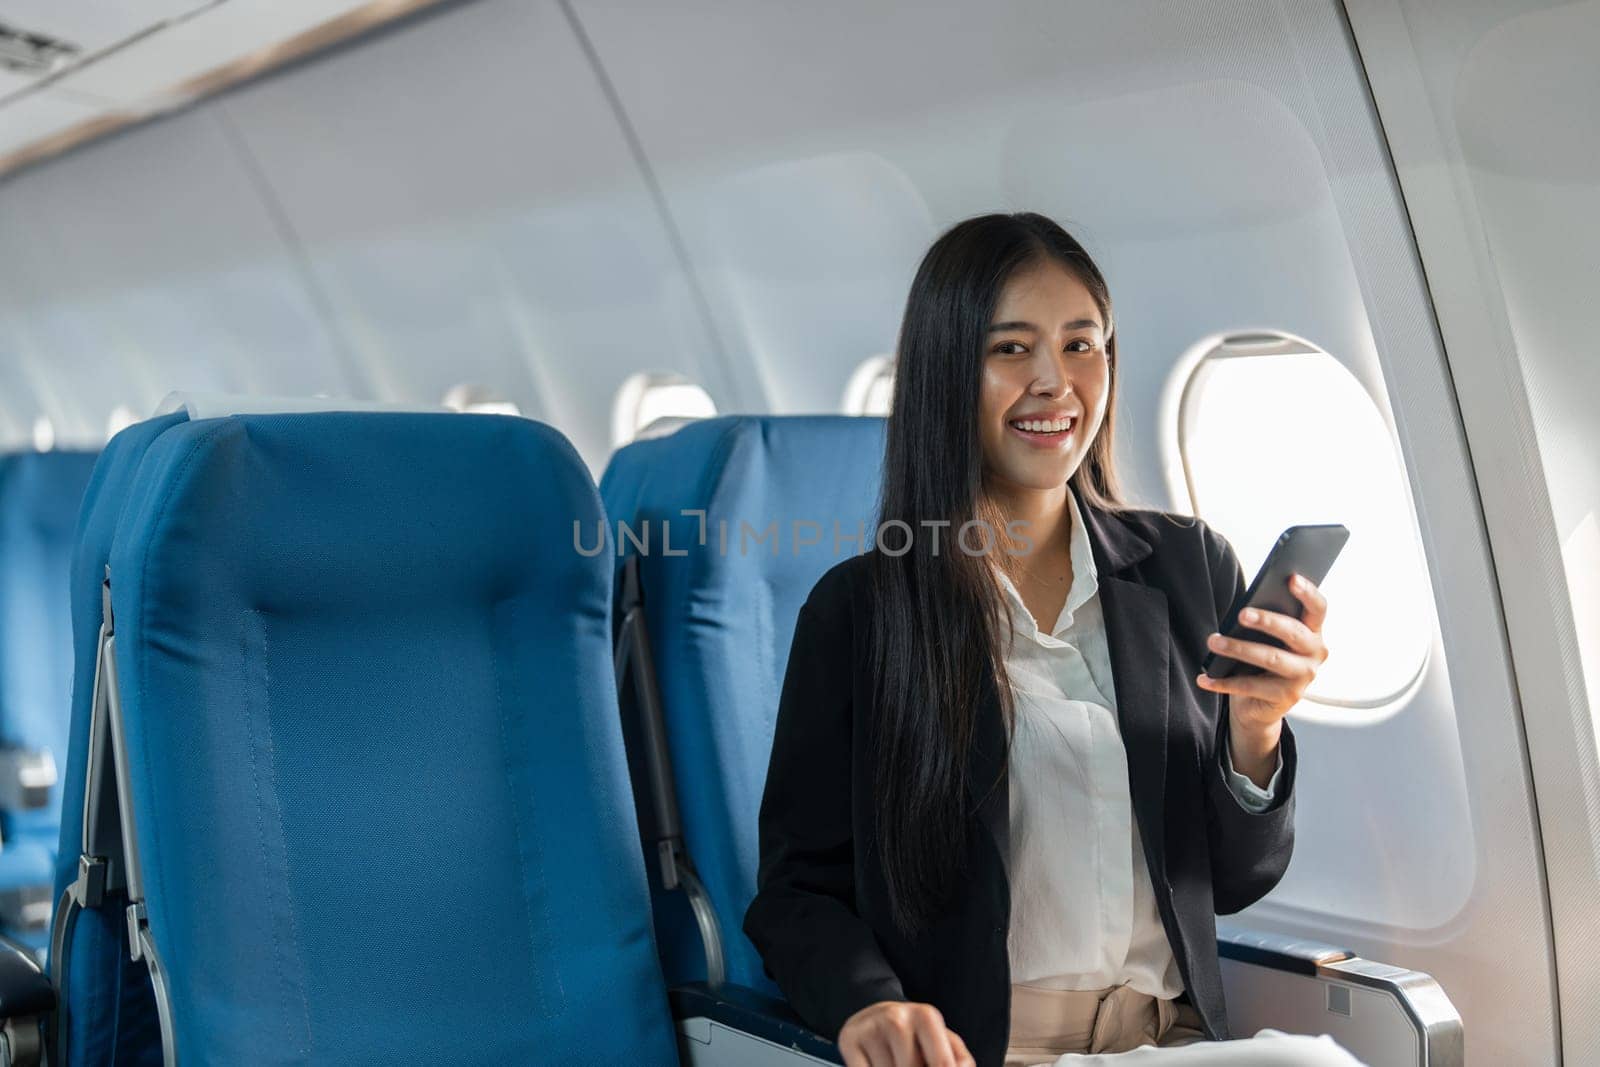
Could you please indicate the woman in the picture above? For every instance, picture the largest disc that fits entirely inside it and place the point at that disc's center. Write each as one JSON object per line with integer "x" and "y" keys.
{"x": 1003, "y": 806}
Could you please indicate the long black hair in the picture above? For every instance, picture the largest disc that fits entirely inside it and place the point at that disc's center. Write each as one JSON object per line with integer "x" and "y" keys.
{"x": 938, "y": 618}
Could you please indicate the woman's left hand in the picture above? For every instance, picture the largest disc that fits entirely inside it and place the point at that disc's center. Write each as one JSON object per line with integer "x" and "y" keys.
{"x": 1258, "y": 702}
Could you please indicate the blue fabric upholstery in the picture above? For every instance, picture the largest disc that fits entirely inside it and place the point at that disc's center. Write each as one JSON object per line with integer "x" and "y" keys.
{"x": 40, "y": 493}
{"x": 108, "y": 1014}
{"x": 378, "y": 782}
{"x": 721, "y": 620}
{"x": 110, "y": 484}
{"x": 39, "y": 497}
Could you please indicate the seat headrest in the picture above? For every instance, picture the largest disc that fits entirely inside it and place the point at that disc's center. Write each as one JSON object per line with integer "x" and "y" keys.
{"x": 814, "y": 470}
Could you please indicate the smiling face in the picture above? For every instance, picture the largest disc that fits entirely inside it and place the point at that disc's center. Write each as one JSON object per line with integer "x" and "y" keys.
{"x": 1045, "y": 380}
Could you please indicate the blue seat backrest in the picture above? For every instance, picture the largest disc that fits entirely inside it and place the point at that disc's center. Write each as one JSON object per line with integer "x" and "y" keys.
{"x": 40, "y": 493}
{"x": 108, "y": 1015}
{"x": 39, "y": 497}
{"x": 721, "y": 618}
{"x": 378, "y": 784}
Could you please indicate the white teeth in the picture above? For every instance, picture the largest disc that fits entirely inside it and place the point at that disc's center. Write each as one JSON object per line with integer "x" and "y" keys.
{"x": 1042, "y": 425}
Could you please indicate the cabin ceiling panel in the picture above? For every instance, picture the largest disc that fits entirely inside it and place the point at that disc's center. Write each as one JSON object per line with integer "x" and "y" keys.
{"x": 11, "y": 82}
{"x": 39, "y": 114}
{"x": 92, "y": 26}
{"x": 142, "y": 75}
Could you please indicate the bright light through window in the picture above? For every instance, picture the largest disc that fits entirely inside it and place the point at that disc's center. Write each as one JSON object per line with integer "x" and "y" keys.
{"x": 44, "y": 434}
{"x": 472, "y": 399}
{"x": 1274, "y": 440}
{"x": 645, "y": 398}
{"x": 871, "y": 388}
{"x": 121, "y": 417}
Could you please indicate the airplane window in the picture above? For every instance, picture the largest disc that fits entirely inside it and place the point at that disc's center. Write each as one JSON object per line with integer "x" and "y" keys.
{"x": 478, "y": 400}
{"x": 44, "y": 434}
{"x": 646, "y": 397}
{"x": 1274, "y": 432}
{"x": 871, "y": 388}
{"x": 121, "y": 417}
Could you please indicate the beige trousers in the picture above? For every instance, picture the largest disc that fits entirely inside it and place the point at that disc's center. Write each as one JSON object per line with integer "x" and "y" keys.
{"x": 1047, "y": 1023}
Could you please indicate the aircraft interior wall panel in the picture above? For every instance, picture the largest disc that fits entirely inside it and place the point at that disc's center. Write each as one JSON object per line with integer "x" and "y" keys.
{"x": 1532, "y": 152}
{"x": 19, "y": 393}
{"x": 932, "y": 135}
{"x": 1489, "y": 106}
{"x": 147, "y": 263}
{"x": 481, "y": 220}
{"x": 1224, "y": 164}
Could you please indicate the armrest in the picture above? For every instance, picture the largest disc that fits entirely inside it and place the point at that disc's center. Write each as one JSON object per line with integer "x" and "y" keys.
{"x": 1380, "y": 1013}
{"x": 25, "y": 990}
{"x": 1297, "y": 955}
{"x": 731, "y": 1024}
{"x": 26, "y": 997}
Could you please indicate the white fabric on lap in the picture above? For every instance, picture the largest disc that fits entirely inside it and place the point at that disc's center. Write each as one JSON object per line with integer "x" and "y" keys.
{"x": 1268, "y": 1048}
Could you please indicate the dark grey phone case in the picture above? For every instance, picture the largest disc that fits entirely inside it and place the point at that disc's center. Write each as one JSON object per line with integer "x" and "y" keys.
{"x": 1305, "y": 550}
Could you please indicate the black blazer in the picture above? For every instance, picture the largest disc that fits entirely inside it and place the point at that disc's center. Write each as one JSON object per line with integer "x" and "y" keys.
{"x": 820, "y": 917}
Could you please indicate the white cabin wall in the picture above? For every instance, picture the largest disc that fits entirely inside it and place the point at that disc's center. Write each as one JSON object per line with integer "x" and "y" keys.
{"x": 1531, "y": 147}
{"x": 144, "y": 263}
{"x": 1489, "y": 107}
{"x": 469, "y": 208}
{"x": 1171, "y": 138}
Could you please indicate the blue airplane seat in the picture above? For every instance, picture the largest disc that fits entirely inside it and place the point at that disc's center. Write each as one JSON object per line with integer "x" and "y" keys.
{"x": 108, "y": 1013}
{"x": 378, "y": 801}
{"x": 39, "y": 497}
{"x": 720, "y": 617}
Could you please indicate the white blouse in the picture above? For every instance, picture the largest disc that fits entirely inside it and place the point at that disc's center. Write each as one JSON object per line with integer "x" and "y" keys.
{"x": 1083, "y": 910}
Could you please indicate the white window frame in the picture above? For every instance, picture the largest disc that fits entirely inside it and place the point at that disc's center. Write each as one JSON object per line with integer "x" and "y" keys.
{"x": 630, "y": 398}
{"x": 858, "y": 391}
{"x": 1266, "y": 343}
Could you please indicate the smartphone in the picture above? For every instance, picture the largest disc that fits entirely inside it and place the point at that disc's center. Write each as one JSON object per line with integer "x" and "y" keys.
{"x": 1305, "y": 550}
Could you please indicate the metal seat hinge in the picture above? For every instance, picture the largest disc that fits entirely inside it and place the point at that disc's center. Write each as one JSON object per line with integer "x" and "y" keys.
{"x": 88, "y": 890}
{"x": 137, "y": 925}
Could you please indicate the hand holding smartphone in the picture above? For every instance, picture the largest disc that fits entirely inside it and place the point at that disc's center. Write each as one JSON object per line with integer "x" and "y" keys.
{"x": 1305, "y": 550}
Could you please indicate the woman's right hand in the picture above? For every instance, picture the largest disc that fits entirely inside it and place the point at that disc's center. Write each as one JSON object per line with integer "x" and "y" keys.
{"x": 897, "y": 1033}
